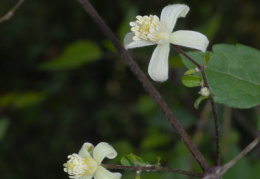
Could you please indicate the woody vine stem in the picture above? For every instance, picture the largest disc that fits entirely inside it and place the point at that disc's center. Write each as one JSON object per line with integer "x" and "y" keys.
{"x": 153, "y": 92}
{"x": 212, "y": 102}
{"x": 153, "y": 168}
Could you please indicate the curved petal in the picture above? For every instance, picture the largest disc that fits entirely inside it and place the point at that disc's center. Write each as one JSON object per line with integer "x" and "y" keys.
{"x": 87, "y": 176}
{"x": 130, "y": 43}
{"x": 171, "y": 13}
{"x": 86, "y": 150}
{"x": 103, "y": 150}
{"x": 189, "y": 39}
{"x": 158, "y": 66}
{"x": 102, "y": 173}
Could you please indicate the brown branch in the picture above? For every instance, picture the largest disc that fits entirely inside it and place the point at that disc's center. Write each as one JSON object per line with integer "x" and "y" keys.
{"x": 216, "y": 122}
{"x": 212, "y": 102}
{"x": 153, "y": 168}
{"x": 146, "y": 84}
{"x": 239, "y": 156}
{"x": 10, "y": 13}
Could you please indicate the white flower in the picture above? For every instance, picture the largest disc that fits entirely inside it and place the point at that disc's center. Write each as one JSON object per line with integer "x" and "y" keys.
{"x": 150, "y": 30}
{"x": 86, "y": 164}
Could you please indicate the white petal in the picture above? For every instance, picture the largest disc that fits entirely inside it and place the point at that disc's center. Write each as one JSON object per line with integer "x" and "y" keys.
{"x": 158, "y": 66}
{"x": 87, "y": 177}
{"x": 130, "y": 43}
{"x": 103, "y": 150}
{"x": 189, "y": 39}
{"x": 86, "y": 150}
{"x": 102, "y": 173}
{"x": 171, "y": 13}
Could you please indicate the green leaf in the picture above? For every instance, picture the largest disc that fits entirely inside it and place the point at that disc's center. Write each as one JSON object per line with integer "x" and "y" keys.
{"x": 21, "y": 100}
{"x": 74, "y": 55}
{"x": 132, "y": 160}
{"x": 191, "y": 81}
{"x": 199, "y": 100}
{"x": 233, "y": 74}
{"x": 190, "y": 72}
{"x": 207, "y": 57}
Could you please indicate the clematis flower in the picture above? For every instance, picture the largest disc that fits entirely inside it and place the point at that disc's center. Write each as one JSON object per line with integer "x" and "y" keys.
{"x": 150, "y": 30}
{"x": 87, "y": 163}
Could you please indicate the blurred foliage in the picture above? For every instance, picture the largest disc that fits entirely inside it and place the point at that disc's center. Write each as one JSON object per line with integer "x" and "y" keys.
{"x": 75, "y": 55}
{"x": 62, "y": 84}
{"x": 4, "y": 124}
{"x": 23, "y": 100}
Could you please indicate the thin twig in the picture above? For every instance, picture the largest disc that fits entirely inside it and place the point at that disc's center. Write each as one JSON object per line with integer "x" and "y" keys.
{"x": 146, "y": 84}
{"x": 212, "y": 102}
{"x": 216, "y": 122}
{"x": 239, "y": 156}
{"x": 187, "y": 56}
{"x": 10, "y": 13}
{"x": 153, "y": 168}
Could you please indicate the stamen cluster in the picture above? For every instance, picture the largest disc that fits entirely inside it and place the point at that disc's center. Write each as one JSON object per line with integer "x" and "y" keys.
{"x": 150, "y": 28}
{"x": 76, "y": 166}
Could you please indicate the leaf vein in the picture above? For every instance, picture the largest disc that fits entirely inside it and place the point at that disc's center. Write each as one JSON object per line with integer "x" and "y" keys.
{"x": 217, "y": 71}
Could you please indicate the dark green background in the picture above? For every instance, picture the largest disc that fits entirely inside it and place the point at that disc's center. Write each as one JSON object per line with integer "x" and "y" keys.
{"x": 46, "y": 115}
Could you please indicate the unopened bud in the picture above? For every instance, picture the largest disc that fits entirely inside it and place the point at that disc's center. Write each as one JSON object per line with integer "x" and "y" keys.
{"x": 204, "y": 91}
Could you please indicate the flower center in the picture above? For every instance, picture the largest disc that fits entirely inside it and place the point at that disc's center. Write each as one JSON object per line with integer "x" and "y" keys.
{"x": 151, "y": 29}
{"x": 78, "y": 166}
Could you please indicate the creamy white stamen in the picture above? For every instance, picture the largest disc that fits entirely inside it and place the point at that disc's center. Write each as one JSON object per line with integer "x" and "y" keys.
{"x": 150, "y": 28}
{"x": 78, "y": 166}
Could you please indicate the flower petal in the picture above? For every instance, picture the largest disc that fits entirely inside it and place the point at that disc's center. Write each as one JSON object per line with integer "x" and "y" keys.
{"x": 103, "y": 150}
{"x": 130, "y": 43}
{"x": 189, "y": 39}
{"x": 158, "y": 66}
{"x": 87, "y": 176}
{"x": 86, "y": 150}
{"x": 102, "y": 173}
{"x": 171, "y": 13}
